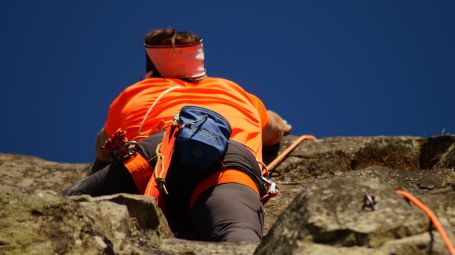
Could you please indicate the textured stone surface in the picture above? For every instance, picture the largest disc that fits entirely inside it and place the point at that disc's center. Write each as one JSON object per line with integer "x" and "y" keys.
{"x": 329, "y": 212}
{"x": 178, "y": 246}
{"x": 318, "y": 211}
{"x": 45, "y": 222}
{"x": 33, "y": 173}
{"x": 411, "y": 163}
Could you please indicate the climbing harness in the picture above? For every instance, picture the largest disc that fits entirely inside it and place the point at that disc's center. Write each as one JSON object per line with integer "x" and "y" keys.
{"x": 271, "y": 190}
{"x": 433, "y": 218}
{"x": 119, "y": 147}
{"x": 164, "y": 152}
{"x": 198, "y": 135}
{"x": 159, "y": 171}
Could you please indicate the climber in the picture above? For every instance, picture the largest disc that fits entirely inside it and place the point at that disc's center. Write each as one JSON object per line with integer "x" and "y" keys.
{"x": 220, "y": 204}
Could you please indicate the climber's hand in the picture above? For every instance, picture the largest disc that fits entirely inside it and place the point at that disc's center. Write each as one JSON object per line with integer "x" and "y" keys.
{"x": 275, "y": 129}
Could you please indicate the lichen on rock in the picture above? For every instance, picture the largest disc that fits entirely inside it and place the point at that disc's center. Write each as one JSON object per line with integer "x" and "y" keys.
{"x": 319, "y": 210}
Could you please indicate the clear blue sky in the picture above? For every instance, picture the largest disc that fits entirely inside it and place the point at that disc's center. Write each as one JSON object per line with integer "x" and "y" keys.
{"x": 331, "y": 68}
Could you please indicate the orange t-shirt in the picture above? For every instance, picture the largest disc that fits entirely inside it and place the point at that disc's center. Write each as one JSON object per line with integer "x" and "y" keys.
{"x": 244, "y": 111}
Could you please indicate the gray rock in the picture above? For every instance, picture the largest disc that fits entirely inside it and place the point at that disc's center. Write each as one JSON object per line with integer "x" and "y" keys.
{"x": 407, "y": 162}
{"x": 33, "y": 173}
{"x": 178, "y": 246}
{"x": 318, "y": 211}
{"x": 45, "y": 222}
{"x": 330, "y": 213}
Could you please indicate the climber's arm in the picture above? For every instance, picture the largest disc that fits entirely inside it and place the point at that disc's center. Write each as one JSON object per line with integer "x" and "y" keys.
{"x": 276, "y": 128}
{"x": 101, "y": 138}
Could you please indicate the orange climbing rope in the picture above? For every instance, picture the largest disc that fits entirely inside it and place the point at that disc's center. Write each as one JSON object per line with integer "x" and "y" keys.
{"x": 432, "y": 217}
{"x": 296, "y": 143}
{"x": 271, "y": 186}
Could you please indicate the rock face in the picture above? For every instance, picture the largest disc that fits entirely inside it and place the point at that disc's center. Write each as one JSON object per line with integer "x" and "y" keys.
{"x": 320, "y": 209}
{"x": 329, "y": 214}
{"x": 44, "y": 222}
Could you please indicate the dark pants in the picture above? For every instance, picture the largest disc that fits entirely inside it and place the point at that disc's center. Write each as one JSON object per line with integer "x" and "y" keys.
{"x": 228, "y": 212}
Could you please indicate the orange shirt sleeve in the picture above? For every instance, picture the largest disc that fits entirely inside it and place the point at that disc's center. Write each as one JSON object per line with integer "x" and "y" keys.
{"x": 259, "y": 105}
{"x": 113, "y": 121}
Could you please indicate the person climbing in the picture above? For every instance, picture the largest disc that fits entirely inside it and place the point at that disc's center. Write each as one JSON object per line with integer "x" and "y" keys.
{"x": 221, "y": 203}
